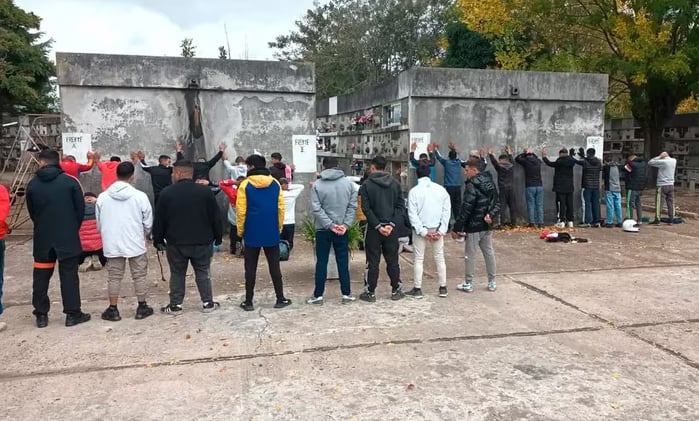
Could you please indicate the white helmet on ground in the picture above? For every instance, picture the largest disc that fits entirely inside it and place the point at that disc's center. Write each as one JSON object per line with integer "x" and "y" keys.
{"x": 630, "y": 225}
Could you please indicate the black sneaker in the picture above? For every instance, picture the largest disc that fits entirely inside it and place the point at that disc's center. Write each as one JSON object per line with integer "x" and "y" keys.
{"x": 247, "y": 306}
{"x": 540, "y": 226}
{"x": 609, "y": 225}
{"x": 655, "y": 222}
{"x": 531, "y": 226}
{"x": 210, "y": 306}
{"x": 619, "y": 225}
{"x": 111, "y": 314}
{"x": 369, "y": 297}
{"x": 76, "y": 319}
{"x": 42, "y": 320}
{"x": 443, "y": 292}
{"x": 282, "y": 303}
{"x": 143, "y": 311}
{"x": 415, "y": 293}
{"x": 397, "y": 294}
{"x": 173, "y": 309}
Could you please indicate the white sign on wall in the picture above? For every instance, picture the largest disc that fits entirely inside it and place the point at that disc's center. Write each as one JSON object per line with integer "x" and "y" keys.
{"x": 77, "y": 144}
{"x": 596, "y": 142}
{"x": 421, "y": 140}
{"x": 304, "y": 153}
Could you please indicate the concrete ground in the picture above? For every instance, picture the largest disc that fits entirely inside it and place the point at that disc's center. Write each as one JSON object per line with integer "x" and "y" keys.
{"x": 603, "y": 330}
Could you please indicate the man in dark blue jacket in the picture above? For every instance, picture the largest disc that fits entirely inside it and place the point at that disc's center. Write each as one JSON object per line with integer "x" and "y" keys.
{"x": 453, "y": 171}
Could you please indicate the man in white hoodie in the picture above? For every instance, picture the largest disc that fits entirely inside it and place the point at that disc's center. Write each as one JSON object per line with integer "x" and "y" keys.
{"x": 291, "y": 193}
{"x": 124, "y": 219}
{"x": 665, "y": 183}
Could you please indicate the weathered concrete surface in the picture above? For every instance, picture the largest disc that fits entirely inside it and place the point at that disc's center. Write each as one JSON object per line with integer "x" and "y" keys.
{"x": 604, "y": 330}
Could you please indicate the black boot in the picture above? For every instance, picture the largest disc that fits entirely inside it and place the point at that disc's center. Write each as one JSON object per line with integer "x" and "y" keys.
{"x": 143, "y": 311}
{"x": 42, "y": 320}
{"x": 76, "y": 319}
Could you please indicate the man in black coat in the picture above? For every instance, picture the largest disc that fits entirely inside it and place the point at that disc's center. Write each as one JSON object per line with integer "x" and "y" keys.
{"x": 635, "y": 169}
{"x": 475, "y": 219}
{"x": 563, "y": 186}
{"x": 186, "y": 225}
{"x": 534, "y": 187}
{"x": 202, "y": 167}
{"x": 592, "y": 170}
{"x": 504, "y": 166}
{"x": 161, "y": 174}
{"x": 56, "y": 206}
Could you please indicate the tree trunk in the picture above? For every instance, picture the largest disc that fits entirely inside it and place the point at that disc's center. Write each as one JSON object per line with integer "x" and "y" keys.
{"x": 652, "y": 147}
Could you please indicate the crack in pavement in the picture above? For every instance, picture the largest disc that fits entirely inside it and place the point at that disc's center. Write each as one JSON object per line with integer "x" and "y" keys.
{"x": 262, "y": 331}
{"x": 621, "y": 328}
{"x": 312, "y": 350}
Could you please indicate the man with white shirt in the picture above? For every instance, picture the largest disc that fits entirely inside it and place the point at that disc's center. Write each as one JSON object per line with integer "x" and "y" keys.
{"x": 665, "y": 183}
{"x": 429, "y": 210}
{"x": 237, "y": 170}
{"x": 291, "y": 192}
{"x": 125, "y": 218}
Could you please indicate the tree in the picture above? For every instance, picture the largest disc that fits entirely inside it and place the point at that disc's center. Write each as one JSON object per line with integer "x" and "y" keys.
{"x": 222, "y": 53}
{"x": 466, "y": 48}
{"x": 188, "y": 48}
{"x": 358, "y": 42}
{"x": 25, "y": 69}
{"x": 649, "y": 48}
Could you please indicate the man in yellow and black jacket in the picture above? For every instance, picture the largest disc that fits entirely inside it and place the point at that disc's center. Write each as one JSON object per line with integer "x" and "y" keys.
{"x": 260, "y": 202}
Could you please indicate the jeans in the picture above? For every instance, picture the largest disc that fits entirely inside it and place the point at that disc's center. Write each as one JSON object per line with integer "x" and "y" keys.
{"x": 287, "y": 234}
{"x": 507, "y": 204}
{"x": 419, "y": 246}
{"x": 116, "y": 266}
{"x": 376, "y": 244}
{"x": 455, "y": 197}
{"x": 564, "y": 204}
{"x": 252, "y": 256}
{"x": 340, "y": 243}
{"x": 535, "y": 205}
{"x": 592, "y": 206}
{"x": 2, "y": 270}
{"x": 582, "y": 204}
{"x": 178, "y": 257}
{"x": 70, "y": 284}
{"x": 482, "y": 240}
{"x": 613, "y": 202}
{"x": 665, "y": 195}
{"x": 633, "y": 201}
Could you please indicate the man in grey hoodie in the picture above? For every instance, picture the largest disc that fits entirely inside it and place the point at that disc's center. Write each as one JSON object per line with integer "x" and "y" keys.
{"x": 334, "y": 205}
{"x": 665, "y": 191}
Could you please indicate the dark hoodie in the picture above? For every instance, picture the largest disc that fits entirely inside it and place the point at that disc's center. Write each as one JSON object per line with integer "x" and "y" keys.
{"x": 563, "y": 175}
{"x": 201, "y": 169}
{"x": 532, "y": 169}
{"x": 636, "y": 174}
{"x": 278, "y": 171}
{"x": 382, "y": 201}
{"x": 480, "y": 199}
{"x": 505, "y": 172}
{"x": 56, "y": 206}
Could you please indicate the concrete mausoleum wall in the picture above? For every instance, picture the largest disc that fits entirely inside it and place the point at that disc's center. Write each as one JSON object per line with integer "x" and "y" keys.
{"x": 130, "y": 103}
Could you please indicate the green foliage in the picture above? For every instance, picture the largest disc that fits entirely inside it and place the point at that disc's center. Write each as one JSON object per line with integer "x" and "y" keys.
{"x": 25, "y": 69}
{"x": 189, "y": 50}
{"x": 466, "y": 48}
{"x": 355, "y": 234}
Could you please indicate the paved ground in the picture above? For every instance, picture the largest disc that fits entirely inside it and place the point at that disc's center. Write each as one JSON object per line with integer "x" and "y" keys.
{"x": 603, "y": 330}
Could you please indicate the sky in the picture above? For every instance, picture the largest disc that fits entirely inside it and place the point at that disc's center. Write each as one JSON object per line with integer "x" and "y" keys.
{"x": 157, "y": 27}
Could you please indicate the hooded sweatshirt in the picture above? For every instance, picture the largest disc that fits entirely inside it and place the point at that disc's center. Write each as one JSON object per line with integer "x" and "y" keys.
{"x": 452, "y": 170}
{"x": 666, "y": 170}
{"x": 290, "y": 197}
{"x": 235, "y": 171}
{"x": 74, "y": 169}
{"x": 635, "y": 174}
{"x": 532, "y": 169}
{"x": 563, "y": 176}
{"x": 259, "y": 205}
{"x": 280, "y": 170}
{"x": 333, "y": 200}
{"x": 124, "y": 218}
{"x": 506, "y": 172}
{"x": 108, "y": 170}
{"x": 611, "y": 177}
{"x": 382, "y": 201}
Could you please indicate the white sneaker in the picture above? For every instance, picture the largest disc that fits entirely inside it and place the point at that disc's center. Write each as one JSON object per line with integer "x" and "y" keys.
{"x": 3, "y": 326}
{"x": 570, "y": 224}
{"x": 315, "y": 300}
{"x": 346, "y": 299}
{"x": 96, "y": 265}
{"x": 460, "y": 239}
{"x": 560, "y": 225}
{"x": 86, "y": 265}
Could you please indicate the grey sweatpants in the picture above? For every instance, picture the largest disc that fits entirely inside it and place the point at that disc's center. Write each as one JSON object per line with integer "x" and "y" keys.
{"x": 116, "y": 267}
{"x": 482, "y": 240}
{"x": 665, "y": 195}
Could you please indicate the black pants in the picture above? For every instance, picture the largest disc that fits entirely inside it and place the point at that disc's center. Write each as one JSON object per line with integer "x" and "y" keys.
{"x": 234, "y": 239}
{"x": 507, "y": 203}
{"x": 70, "y": 284}
{"x": 288, "y": 234}
{"x": 252, "y": 255}
{"x": 455, "y": 196}
{"x": 564, "y": 204}
{"x": 99, "y": 253}
{"x": 178, "y": 257}
{"x": 376, "y": 244}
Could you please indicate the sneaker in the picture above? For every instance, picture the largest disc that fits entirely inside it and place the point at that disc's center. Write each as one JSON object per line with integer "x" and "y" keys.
{"x": 96, "y": 265}
{"x": 282, "y": 303}
{"x": 620, "y": 225}
{"x": 491, "y": 286}
{"x": 460, "y": 239}
{"x": 531, "y": 226}
{"x": 247, "y": 306}
{"x": 315, "y": 300}
{"x": 87, "y": 264}
{"x": 3, "y": 326}
{"x": 560, "y": 225}
{"x": 415, "y": 293}
{"x": 173, "y": 309}
{"x": 143, "y": 311}
{"x": 570, "y": 224}
{"x": 397, "y": 294}
{"x": 346, "y": 299}
{"x": 111, "y": 314}
{"x": 609, "y": 225}
{"x": 407, "y": 248}
{"x": 42, "y": 320}
{"x": 465, "y": 287}
{"x": 76, "y": 319}
{"x": 210, "y": 306}
{"x": 540, "y": 226}
{"x": 596, "y": 225}
{"x": 369, "y": 297}
{"x": 655, "y": 222}
{"x": 443, "y": 292}
{"x": 584, "y": 226}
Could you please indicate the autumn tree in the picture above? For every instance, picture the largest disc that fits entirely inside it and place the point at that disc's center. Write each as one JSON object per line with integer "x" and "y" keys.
{"x": 25, "y": 69}
{"x": 650, "y": 48}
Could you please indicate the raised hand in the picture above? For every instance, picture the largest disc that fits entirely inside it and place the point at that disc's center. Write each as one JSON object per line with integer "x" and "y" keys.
{"x": 178, "y": 147}
{"x": 222, "y": 147}
{"x": 413, "y": 147}
{"x": 141, "y": 155}
{"x": 435, "y": 146}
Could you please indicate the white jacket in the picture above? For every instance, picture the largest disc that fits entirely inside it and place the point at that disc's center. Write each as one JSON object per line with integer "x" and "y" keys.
{"x": 429, "y": 207}
{"x": 290, "y": 203}
{"x": 235, "y": 171}
{"x": 124, "y": 218}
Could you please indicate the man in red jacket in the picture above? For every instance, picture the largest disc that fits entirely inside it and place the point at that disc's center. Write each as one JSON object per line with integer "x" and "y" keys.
{"x": 70, "y": 166}
{"x": 4, "y": 213}
{"x": 108, "y": 170}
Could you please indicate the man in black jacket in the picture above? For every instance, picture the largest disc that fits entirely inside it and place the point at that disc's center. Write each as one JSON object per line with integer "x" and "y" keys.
{"x": 592, "y": 169}
{"x": 186, "y": 224}
{"x": 202, "y": 166}
{"x": 635, "y": 169}
{"x": 384, "y": 207}
{"x": 161, "y": 174}
{"x": 504, "y": 166}
{"x": 563, "y": 186}
{"x": 534, "y": 187}
{"x": 475, "y": 218}
{"x": 56, "y": 207}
